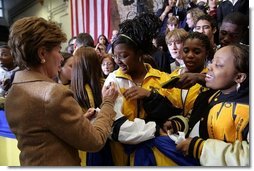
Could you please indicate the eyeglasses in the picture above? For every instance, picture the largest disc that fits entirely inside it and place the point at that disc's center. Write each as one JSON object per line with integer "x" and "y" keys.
{"x": 120, "y": 58}
{"x": 107, "y": 64}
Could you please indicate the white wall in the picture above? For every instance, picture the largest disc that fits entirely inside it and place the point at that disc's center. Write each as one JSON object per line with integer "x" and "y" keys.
{"x": 55, "y": 10}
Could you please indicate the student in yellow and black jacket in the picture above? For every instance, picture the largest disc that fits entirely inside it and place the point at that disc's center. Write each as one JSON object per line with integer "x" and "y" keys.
{"x": 219, "y": 124}
{"x": 182, "y": 94}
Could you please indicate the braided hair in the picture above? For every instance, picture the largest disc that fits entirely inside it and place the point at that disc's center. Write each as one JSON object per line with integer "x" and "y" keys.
{"x": 138, "y": 32}
{"x": 205, "y": 41}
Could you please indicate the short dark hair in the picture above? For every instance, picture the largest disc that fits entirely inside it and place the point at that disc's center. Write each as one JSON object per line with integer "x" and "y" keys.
{"x": 237, "y": 18}
{"x": 84, "y": 39}
{"x": 208, "y": 18}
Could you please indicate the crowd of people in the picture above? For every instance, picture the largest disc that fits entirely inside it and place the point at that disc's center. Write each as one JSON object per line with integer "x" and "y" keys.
{"x": 169, "y": 88}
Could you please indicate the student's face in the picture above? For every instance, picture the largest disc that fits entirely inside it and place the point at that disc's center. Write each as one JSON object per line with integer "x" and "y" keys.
{"x": 66, "y": 70}
{"x": 102, "y": 40}
{"x": 107, "y": 66}
{"x": 189, "y": 20}
{"x": 175, "y": 48}
{"x": 229, "y": 33}
{"x": 194, "y": 55}
{"x": 172, "y": 26}
{"x": 6, "y": 60}
{"x": 171, "y": 3}
{"x": 204, "y": 26}
{"x": 221, "y": 72}
{"x": 125, "y": 58}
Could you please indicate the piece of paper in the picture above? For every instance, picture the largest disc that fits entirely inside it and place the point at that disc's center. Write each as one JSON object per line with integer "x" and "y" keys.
{"x": 178, "y": 138}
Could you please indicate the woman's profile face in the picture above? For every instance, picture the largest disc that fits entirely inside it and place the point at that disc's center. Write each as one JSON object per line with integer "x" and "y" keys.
{"x": 66, "y": 70}
{"x": 222, "y": 72}
{"x": 53, "y": 60}
{"x": 189, "y": 20}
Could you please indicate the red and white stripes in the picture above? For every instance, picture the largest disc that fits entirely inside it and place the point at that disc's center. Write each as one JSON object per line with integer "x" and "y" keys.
{"x": 90, "y": 16}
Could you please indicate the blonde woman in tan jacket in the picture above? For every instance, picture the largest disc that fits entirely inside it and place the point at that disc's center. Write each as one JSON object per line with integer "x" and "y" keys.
{"x": 49, "y": 124}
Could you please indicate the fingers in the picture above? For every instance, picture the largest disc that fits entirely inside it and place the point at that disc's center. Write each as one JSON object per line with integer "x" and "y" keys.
{"x": 107, "y": 87}
{"x": 129, "y": 93}
{"x": 110, "y": 90}
{"x": 136, "y": 92}
{"x": 91, "y": 112}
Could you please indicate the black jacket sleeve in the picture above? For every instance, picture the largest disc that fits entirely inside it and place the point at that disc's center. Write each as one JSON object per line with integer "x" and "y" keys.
{"x": 159, "y": 108}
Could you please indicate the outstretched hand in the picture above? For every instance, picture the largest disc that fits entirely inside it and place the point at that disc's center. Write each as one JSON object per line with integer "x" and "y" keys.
{"x": 188, "y": 80}
{"x": 110, "y": 91}
{"x": 184, "y": 146}
{"x": 136, "y": 92}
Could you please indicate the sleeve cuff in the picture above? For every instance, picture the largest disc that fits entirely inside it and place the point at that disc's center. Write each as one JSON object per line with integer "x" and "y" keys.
{"x": 196, "y": 147}
{"x": 177, "y": 125}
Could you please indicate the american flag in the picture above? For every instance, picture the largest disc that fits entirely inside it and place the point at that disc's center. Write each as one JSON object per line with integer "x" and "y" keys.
{"x": 90, "y": 16}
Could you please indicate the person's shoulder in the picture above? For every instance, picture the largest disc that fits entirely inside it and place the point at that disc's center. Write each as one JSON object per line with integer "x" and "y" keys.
{"x": 53, "y": 90}
{"x": 57, "y": 86}
{"x": 156, "y": 72}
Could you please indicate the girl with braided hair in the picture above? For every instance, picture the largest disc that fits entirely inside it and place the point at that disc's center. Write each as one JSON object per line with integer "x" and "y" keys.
{"x": 136, "y": 81}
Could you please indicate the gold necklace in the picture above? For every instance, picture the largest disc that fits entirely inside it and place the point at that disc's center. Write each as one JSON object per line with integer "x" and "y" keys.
{"x": 139, "y": 84}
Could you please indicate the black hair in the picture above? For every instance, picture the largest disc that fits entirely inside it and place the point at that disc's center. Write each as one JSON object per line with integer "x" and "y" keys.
{"x": 74, "y": 37}
{"x": 208, "y": 18}
{"x": 66, "y": 56}
{"x": 205, "y": 40}
{"x": 84, "y": 39}
{"x": 102, "y": 35}
{"x": 241, "y": 57}
{"x": 241, "y": 62}
{"x": 139, "y": 32}
{"x": 237, "y": 18}
{"x": 161, "y": 42}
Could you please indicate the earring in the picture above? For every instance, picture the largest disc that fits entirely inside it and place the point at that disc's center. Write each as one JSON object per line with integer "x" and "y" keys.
{"x": 43, "y": 61}
{"x": 238, "y": 85}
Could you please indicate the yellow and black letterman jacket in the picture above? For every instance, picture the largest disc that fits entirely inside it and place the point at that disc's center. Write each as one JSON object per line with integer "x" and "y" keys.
{"x": 131, "y": 126}
{"x": 219, "y": 124}
{"x": 185, "y": 103}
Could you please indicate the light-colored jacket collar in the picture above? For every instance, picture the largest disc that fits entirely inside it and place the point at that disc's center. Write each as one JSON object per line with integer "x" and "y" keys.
{"x": 29, "y": 76}
{"x": 151, "y": 72}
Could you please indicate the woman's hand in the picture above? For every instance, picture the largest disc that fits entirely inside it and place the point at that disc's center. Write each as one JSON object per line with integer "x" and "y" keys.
{"x": 110, "y": 91}
{"x": 188, "y": 80}
{"x": 136, "y": 92}
{"x": 167, "y": 127}
{"x": 90, "y": 113}
{"x": 184, "y": 146}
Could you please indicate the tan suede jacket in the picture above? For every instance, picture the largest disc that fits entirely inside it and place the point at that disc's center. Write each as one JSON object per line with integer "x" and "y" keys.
{"x": 49, "y": 124}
